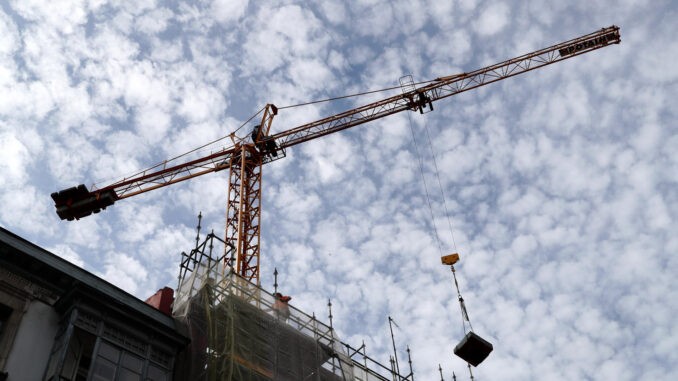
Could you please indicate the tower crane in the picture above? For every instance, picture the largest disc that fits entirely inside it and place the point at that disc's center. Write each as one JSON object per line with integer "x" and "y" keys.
{"x": 245, "y": 158}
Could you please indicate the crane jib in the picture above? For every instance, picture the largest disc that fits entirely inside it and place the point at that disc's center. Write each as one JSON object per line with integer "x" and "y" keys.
{"x": 602, "y": 40}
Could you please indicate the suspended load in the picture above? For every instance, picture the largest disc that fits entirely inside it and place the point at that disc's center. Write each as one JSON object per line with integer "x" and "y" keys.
{"x": 473, "y": 349}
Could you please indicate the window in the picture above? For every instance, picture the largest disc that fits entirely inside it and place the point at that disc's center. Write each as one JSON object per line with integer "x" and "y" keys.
{"x": 106, "y": 365}
{"x": 117, "y": 364}
{"x": 5, "y": 313}
{"x": 78, "y": 356}
{"x": 122, "y": 353}
{"x": 156, "y": 374}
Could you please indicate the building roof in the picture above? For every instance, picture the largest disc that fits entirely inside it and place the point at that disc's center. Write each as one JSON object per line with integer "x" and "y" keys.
{"x": 62, "y": 277}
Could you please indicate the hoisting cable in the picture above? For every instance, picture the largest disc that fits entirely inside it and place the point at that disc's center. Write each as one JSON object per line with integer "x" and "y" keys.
{"x": 472, "y": 348}
{"x": 464, "y": 313}
{"x": 435, "y": 164}
{"x": 462, "y": 305}
{"x": 428, "y": 198}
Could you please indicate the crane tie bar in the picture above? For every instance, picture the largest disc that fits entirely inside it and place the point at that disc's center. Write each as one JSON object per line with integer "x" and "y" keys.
{"x": 351, "y": 95}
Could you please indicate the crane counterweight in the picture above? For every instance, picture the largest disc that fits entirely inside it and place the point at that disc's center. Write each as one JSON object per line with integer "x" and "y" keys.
{"x": 78, "y": 202}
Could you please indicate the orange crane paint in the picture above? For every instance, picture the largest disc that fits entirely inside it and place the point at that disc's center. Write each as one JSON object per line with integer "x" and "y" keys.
{"x": 246, "y": 157}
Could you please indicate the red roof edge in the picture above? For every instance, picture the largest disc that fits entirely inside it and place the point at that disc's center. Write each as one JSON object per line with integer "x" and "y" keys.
{"x": 162, "y": 300}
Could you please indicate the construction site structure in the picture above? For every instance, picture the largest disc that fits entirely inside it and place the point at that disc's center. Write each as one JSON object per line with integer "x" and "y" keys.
{"x": 244, "y": 159}
{"x": 63, "y": 323}
{"x": 238, "y": 331}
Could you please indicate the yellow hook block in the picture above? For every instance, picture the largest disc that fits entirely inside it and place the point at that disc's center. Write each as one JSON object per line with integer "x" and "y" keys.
{"x": 450, "y": 259}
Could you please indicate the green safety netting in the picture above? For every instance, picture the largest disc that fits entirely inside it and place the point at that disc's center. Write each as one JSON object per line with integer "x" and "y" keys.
{"x": 237, "y": 334}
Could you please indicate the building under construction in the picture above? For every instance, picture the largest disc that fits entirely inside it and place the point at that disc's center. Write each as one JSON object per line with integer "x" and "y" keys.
{"x": 60, "y": 322}
{"x": 239, "y": 331}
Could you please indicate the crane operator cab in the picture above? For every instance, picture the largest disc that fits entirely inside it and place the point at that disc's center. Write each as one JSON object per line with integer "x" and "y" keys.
{"x": 265, "y": 146}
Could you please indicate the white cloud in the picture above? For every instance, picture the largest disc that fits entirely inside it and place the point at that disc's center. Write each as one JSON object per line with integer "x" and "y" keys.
{"x": 10, "y": 37}
{"x": 448, "y": 51}
{"x": 559, "y": 182}
{"x": 63, "y": 16}
{"x": 468, "y": 5}
{"x": 331, "y": 159}
{"x": 143, "y": 88}
{"x": 14, "y": 160}
{"x": 154, "y": 21}
{"x": 312, "y": 74}
{"x": 124, "y": 271}
{"x": 124, "y": 144}
{"x": 647, "y": 139}
{"x": 524, "y": 244}
{"x": 90, "y": 234}
{"x": 334, "y": 11}
{"x": 166, "y": 50}
{"x": 94, "y": 5}
{"x": 76, "y": 107}
{"x": 27, "y": 209}
{"x": 298, "y": 206}
{"x": 137, "y": 8}
{"x": 200, "y": 103}
{"x": 153, "y": 123}
{"x": 207, "y": 194}
{"x": 290, "y": 32}
{"x": 193, "y": 135}
{"x": 659, "y": 54}
{"x": 443, "y": 12}
{"x": 337, "y": 60}
{"x": 165, "y": 245}
{"x": 68, "y": 254}
{"x": 227, "y": 11}
{"x": 493, "y": 19}
{"x": 140, "y": 221}
{"x": 657, "y": 213}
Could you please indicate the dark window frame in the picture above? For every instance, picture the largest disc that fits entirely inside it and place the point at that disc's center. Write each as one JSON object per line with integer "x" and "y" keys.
{"x": 109, "y": 333}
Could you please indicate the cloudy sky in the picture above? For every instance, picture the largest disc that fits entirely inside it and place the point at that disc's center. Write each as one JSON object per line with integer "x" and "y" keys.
{"x": 560, "y": 183}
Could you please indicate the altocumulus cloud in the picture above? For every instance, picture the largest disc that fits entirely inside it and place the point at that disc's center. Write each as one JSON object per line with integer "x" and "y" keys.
{"x": 560, "y": 184}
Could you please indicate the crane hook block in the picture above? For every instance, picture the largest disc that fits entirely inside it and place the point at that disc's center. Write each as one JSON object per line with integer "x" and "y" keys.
{"x": 450, "y": 259}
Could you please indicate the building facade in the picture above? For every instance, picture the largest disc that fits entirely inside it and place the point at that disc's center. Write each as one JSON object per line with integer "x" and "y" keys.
{"x": 60, "y": 322}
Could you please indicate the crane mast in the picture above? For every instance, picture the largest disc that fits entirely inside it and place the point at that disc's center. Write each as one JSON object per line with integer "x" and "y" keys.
{"x": 247, "y": 156}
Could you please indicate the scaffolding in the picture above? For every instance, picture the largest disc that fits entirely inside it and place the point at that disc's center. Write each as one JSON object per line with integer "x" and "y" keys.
{"x": 239, "y": 333}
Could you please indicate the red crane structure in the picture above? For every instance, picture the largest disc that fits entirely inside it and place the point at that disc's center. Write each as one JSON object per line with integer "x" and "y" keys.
{"x": 245, "y": 158}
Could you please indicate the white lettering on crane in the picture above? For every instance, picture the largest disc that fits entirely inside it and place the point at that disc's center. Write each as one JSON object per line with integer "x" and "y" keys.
{"x": 576, "y": 47}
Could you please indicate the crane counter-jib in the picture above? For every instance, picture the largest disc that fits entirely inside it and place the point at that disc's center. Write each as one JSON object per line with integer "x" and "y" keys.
{"x": 245, "y": 158}
{"x": 78, "y": 202}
